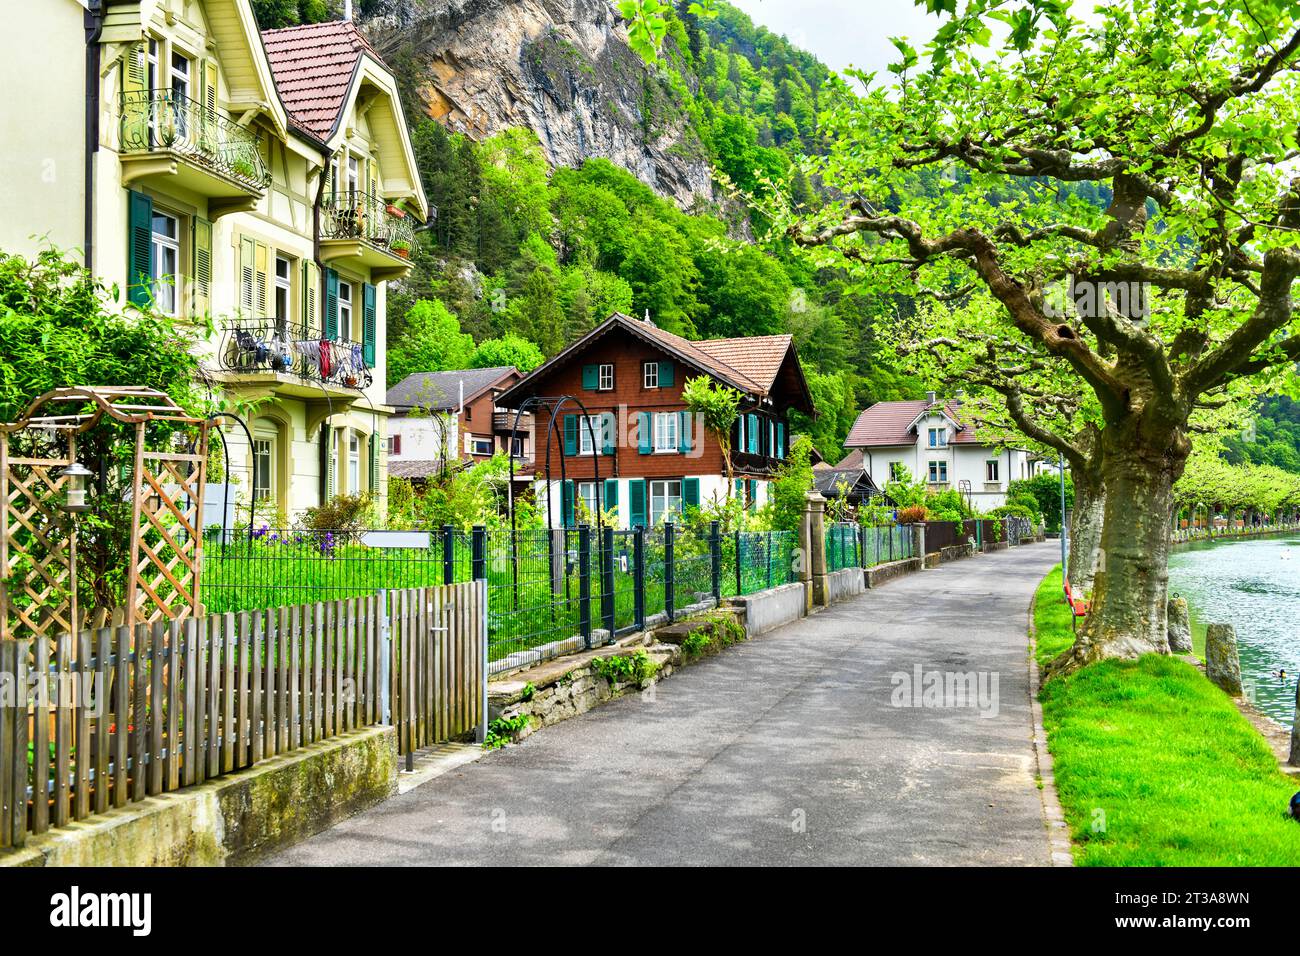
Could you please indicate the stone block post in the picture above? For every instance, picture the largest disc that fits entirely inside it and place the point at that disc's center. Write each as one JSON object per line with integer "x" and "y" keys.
{"x": 1294, "y": 759}
{"x": 812, "y": 541}
{"x": 1179, "y": 627}
{"x": 1222, "y": 662}
{"x": 918, "y": 542}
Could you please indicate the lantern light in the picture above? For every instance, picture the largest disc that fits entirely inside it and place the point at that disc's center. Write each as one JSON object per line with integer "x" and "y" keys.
{"x": 76, "y": 473}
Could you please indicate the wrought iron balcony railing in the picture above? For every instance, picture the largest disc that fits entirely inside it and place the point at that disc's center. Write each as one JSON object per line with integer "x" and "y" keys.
{"x": 348, "y": 215}
{"x": 267, "y": 345}
{"x": 162, "y": 120}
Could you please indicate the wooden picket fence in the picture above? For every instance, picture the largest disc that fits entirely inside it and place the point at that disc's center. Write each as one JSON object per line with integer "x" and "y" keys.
{"x": 125, "y": 714}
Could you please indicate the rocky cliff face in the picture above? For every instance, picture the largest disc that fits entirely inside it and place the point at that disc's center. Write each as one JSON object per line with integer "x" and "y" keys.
{"x": 561, "y": 67}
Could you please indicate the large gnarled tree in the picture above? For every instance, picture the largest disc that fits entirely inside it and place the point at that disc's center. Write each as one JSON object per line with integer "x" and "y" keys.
{"x": 1142, "y": 161}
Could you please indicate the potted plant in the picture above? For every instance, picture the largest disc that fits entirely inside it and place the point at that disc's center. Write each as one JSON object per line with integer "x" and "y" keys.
{"x": 396, "y": 211}
{"x": 402, "y": 247}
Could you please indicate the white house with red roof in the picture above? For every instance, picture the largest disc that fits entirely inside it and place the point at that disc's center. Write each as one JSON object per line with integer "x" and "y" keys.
{"x": 936, "y": 444}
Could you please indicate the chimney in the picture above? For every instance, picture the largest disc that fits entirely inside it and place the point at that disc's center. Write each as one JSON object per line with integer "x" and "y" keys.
{"x": 931, "y": 398}
{"x": 347, "y": 11}
{"x": 647, "y": 317}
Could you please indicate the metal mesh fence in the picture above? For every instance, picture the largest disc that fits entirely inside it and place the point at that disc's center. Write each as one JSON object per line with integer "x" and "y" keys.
{"x": 842, "y": 546}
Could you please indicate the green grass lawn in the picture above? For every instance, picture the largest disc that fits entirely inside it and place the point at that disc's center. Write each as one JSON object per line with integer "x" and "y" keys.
{"x": 1154, "y": 764}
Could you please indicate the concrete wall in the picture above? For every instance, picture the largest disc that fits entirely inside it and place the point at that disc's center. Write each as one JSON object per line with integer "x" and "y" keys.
{"x": 771, "y": 609}
{"x": 884, "y": 573}
{"x": 233, "y": 820}
{"x": 842, "y": 585}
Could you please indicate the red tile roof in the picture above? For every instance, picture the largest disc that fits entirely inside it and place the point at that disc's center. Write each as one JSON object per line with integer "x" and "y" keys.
{"x": 886, "y": 423}
{"x": 313, "y": 66}
{"x": 757, "y": 357}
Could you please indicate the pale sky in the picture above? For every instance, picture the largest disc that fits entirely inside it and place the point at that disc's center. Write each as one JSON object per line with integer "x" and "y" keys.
{"x": 844, "y": 33}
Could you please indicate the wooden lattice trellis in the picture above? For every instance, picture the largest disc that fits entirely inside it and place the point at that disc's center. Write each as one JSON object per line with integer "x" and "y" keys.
{"x": 38, "y": 550}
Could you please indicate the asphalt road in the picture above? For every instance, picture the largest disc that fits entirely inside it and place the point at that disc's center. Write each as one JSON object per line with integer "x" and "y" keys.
{"x": 788, "y": 749}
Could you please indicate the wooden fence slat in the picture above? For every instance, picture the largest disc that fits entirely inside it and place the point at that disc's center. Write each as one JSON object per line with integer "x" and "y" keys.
{"x": 41, "y": 740}
{"x": 18, "y": 793}
{"x": 202, "y": 638}
{"x": 216, "y": 654}
{"x": 256, "y": 651}
{"x": 10, "y": 716}
{"x": 340, "y": 667}
{"x": 103, "y": 650}
{"x": 230, "y": 638}
{"x": 82, "y": 759}
{"x": 281, "y": 680}
{"x": 293, "y": 686}
{"x": 62, "y": 729}
{"x": 173, "y": 763}
{"x": 317, "y": 674}
{"x": 190, "y": 711}
{"x": 241, "y": 689}
{"x": 157, "y": 661}
{"x": 121, "y": 713}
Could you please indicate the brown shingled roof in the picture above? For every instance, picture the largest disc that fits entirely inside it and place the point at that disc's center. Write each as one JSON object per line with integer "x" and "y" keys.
{"x": 313, "y": 66}
{"x": 886, "y": 423}
{"x": 757, "y": 357}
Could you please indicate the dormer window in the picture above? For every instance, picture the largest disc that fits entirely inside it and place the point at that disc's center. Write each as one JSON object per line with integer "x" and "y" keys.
{"x": 938, "y": 437}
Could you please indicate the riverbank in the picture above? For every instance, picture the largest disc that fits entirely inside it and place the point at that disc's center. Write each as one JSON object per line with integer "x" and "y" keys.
{"x": 1254, "y": 585}
{"x": 1154, "y": 765}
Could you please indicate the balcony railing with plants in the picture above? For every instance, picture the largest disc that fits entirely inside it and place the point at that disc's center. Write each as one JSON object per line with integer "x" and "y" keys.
{"x": 165, "y": 121}
{"x": 291, "y": 348}
{"x": 348, "y": 215}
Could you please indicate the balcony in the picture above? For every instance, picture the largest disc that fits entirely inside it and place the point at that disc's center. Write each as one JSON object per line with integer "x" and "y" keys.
{"x": 369, "y": 232}
{"x": 165, "y": 134}
{"x": 504, "y": 422}
{"x": 292, "y": 359}
{"x": 751, "y": 463}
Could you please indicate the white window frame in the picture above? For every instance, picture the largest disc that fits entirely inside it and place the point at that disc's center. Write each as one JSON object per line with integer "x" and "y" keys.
{"x": 938, "y": 437}
{"x": 345, "y": 311}
{"x": 937, "y": 471}
{"x": 166, "y": 294}
{"x": 605, "y": 378}
{"x": 585, "y": 434}
{"x": 585, "y": 491}
{"x": 650, "y": 374}
{"x": 477, "y": 445}
{"x": 663, "y": 486}
{"x": 354, "y": 177}
{"x": 991, "y": 470}
{"x": 895, "y": 470}
{"x": 283, "y": 291}
{"x": 354, "y": 463}
{"x": 263, "y": 467}
{"x": 666, "y": 425}
{"x": 395, "y": 444}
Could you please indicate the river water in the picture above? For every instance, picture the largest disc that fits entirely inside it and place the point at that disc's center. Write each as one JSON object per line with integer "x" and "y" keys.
{"x": 1254, "y": 585}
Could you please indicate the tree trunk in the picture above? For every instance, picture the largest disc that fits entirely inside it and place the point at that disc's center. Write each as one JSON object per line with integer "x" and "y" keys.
{"x": 1086, "y": 524}
{"x": 1128, "y": 614}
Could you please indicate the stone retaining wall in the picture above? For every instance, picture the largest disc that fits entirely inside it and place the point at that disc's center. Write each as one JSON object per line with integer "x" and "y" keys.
{"x": 844, "y": 584}
{"x": 235, "y": 819}
{"x": 883, "y": 573}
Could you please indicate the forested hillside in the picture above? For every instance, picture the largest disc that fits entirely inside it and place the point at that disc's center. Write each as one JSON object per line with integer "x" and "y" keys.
{"x": 525, "y": 247}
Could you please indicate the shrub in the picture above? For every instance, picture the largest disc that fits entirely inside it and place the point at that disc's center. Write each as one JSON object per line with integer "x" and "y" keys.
{"x": 349, "y": 514}
{"x": 912, "y": 514}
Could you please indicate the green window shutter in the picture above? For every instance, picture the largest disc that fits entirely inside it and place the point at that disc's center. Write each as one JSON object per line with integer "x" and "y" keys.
{"x": 331, "y": 324}
{"x": 566, "y": 508}
{"x": 740, "y": 489}
{"x": 591, "y": 377}
{"x": 611, "y": 494}
{"x": 139, "y": 251}
{"x": 665, "y": 374}
{"x": 368, "y": 325}
{"x": 644, "y": 435}
{"x": 751, "y": 434}
{"x": 202, "y": 270}
{"x": 684, "y": 432}
{"x": 570, "y": 435}
{"x": 326, "y": 464}
{"x": 780, "y": 439}
{"x": 373, "y": 484}
{"x": 608, "y": 428}
{"x": 310, "y": 290}
{"x": 691, "y": 492}
{"x": 752, "y": 497}
{"x": 636, "y": 503}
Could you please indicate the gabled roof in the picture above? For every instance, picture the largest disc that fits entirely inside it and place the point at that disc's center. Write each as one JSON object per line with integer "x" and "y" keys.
{"x": 891, "y": 423}
{"x": 749, "y": 365}
{"x": 313, "y": 65}
{"x": 441, "y": 391}
{"x": 828, "y": 480}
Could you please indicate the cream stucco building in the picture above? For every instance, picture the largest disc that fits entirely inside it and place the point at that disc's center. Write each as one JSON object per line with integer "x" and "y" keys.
{"x": 260, "y": 184}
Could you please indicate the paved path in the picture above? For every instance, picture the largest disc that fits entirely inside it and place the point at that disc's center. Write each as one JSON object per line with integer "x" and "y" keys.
{"x": 783, "y": 750}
